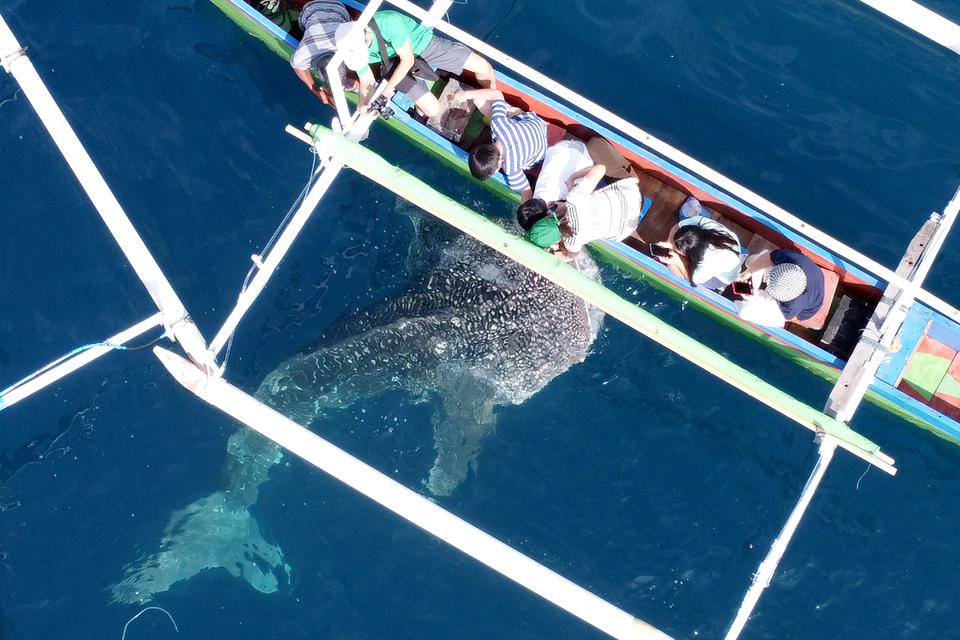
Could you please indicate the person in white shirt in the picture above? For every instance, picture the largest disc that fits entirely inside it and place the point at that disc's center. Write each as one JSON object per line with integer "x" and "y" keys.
{"x": 703, "y": 252}
{"x": 561, "y": 161}
{"x": 611, "y": 212}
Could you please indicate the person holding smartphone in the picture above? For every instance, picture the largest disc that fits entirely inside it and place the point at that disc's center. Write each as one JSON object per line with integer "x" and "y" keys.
{"x": 788, "y": 284}
{"x": 701, "y": 251}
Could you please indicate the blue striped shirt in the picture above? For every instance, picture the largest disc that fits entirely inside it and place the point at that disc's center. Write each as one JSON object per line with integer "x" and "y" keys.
{"x": 524, "y": 140}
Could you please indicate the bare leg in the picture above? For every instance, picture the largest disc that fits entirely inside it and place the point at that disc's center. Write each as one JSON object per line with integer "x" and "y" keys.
{"x": 482, "y": 69}
{"x": 428, "y": 105}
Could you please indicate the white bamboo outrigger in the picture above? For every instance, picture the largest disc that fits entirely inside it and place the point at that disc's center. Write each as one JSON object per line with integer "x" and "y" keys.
{"x": 204, "y": 377}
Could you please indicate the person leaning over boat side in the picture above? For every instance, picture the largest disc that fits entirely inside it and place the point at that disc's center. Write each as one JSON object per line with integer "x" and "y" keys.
{"x": 588, "y": 214}
{"x": 319, "y": 20}
{"x": 787, "y": 277}
{"x": 562, "y": 160}
{"x": 702, "y": 251}
{"x": 519, "y": 142}
{"x": 407, "y": 39}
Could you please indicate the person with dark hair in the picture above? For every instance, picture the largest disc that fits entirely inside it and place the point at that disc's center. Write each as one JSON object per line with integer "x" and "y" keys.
{"x": 589, "y": 213}
{"x": 531, "y": 211}
{"x": 703, "y": 252}
{"x": 519, "y": 142}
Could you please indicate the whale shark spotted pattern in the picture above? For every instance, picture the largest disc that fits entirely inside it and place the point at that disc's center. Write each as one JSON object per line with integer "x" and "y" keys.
{"x": 474, "y": 330}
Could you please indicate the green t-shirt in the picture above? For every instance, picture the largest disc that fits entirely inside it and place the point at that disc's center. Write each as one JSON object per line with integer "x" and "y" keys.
{"x": 396, "y": 29}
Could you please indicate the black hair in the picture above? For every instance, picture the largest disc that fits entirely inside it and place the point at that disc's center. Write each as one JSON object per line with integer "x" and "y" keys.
{"x": 693, "y": 240}
{"x": 530, "y": 212}
{"x": 484, "y": 160}
{"x": 320, "y": 67}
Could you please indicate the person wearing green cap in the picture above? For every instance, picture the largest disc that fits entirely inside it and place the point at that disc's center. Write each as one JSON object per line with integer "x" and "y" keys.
{"x": 589, "y": 213}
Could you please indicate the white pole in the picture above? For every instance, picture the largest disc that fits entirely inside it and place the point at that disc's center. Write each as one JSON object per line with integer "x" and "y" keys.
{"x": 175, "y": 316}
{"x": 607, "y": 117}
{"x": 761, "y": 580}
{"x": 436, "y": 12}
{"x": 408, "y": 504}
{"x": 896, "y": 316}
{"x": 922, "y": 20}
{"x": 82, "y": 359}
{"x": 265, "y": 268}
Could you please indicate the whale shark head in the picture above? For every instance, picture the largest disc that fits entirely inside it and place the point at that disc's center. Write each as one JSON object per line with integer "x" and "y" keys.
{"x": 473, "y": 331}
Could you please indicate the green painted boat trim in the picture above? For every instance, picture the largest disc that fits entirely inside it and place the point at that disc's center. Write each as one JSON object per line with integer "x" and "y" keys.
{"x": 372, "y": 165}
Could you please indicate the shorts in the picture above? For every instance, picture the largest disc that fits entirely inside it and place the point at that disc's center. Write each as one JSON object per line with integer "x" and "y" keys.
{"x": 442, "y": 54}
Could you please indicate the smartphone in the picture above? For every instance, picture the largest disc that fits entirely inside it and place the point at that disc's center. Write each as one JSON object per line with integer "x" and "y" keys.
{"x": 659, "y": 250}
{"x": 742, "y": 288}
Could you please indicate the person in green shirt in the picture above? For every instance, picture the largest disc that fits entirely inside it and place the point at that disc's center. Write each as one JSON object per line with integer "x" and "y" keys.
{"x": 405, "y": 38}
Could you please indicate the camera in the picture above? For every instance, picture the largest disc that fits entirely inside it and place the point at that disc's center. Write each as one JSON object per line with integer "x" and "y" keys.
{"x": 382, "y": 106}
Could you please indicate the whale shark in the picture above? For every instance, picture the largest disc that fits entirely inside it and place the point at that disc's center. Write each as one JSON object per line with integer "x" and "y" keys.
{"x": 473, "y": 331}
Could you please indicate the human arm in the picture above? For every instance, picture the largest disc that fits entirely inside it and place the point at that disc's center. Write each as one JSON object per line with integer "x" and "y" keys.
{"x": 586, "y": 180}
{"x": 756, "y": 264}
{"x": 307, "y": 78}
{"x": 405, "y": 53}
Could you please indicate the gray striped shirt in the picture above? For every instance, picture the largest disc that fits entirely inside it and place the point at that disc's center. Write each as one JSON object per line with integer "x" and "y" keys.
{"x": 319, "y": 20}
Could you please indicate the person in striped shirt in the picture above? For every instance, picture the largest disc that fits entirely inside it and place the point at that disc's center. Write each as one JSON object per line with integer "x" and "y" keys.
{"x": 519, "y": 142}
{"x": 589, "y": 213}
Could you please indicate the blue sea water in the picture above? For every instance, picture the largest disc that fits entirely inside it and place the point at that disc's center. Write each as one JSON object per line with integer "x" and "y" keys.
{"x": 634, "y": 474}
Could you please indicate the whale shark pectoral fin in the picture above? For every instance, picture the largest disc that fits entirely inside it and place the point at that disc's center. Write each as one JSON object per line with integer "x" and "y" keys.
{"x": 208, "y": 534}
{"x": 462, "y": 420}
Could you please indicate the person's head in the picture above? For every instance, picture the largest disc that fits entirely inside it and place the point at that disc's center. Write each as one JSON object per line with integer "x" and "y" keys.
{"x": 350, "y": 40}
{"x": 693, "y": 241}
{"x": 786, "y": 281}
{"x": 545, "y": 232}
{"x": 530, "y": 212}
{"x": 485, "y": 160}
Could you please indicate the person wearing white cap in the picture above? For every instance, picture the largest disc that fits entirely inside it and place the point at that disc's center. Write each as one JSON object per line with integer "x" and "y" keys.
{"x": 405, "y": 38}
{"x": 787, "y": 277}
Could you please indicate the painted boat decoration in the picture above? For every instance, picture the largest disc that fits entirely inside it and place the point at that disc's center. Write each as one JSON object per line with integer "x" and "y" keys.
{"x": 920, "y": 381}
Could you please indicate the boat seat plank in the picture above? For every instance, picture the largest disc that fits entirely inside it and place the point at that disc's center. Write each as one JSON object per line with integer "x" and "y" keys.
{"x": 759, "y": 244}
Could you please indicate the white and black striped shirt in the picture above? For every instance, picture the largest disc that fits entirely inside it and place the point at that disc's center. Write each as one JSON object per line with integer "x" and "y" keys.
{"x": 524, "y": 140}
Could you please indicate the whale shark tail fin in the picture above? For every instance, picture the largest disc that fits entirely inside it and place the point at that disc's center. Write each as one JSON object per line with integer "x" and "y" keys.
{"x": 208, "y": 534}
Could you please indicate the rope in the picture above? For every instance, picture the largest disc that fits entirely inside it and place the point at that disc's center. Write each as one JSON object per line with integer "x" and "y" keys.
{"x": 71, "y": 354}
{"x": 314, "y": 174}
{"x": 143, "y": 611}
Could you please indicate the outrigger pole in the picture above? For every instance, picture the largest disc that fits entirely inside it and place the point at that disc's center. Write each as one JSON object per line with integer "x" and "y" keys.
{"x": 374, "y": 167}
{"x": 861, "y": 368}
{"x": 408, "y": 504}
{"x": 173, "y": 315}
{"x": 922, "y": 20}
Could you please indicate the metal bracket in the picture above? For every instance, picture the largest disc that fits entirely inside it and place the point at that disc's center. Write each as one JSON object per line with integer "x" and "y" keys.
{"x": 7, "y": 60}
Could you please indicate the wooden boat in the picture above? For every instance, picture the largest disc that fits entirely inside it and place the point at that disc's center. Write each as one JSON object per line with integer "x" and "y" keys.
{"x": 919, "y": 382}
